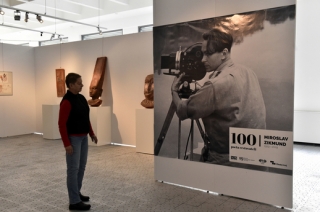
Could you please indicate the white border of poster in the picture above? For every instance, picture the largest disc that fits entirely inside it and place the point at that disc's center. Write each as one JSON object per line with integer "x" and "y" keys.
{"x": 274, "y": 189}
{"x": 265, "y": 157}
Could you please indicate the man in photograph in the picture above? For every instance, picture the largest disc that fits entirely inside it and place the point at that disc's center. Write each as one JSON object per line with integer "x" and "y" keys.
{"x": 230, "y": 98}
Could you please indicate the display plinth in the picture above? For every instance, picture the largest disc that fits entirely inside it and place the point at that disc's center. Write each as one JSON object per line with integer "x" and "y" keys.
{"x": 50, "y": 116}
{"x": 144, "y": 131}
{"x": 100, "y": 118}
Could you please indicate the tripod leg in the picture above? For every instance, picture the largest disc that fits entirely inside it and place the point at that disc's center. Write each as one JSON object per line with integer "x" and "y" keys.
{"x": 165, "y": 128}
{"x": 191, "y": 145}
{"x": 205, "y": 150}
{"x": 179, "y": 139}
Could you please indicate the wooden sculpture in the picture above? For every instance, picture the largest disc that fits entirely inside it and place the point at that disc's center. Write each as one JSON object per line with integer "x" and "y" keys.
{"x": 95, "y": 89}
{"x": 148, "y": 92}
{"x": 60, "y": 81}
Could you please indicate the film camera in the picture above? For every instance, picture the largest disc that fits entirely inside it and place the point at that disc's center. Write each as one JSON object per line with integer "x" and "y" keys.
{"x": 187, "y": 61}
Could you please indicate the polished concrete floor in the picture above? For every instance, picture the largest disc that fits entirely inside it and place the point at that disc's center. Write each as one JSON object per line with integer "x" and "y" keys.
{"x": 33, "y": 172}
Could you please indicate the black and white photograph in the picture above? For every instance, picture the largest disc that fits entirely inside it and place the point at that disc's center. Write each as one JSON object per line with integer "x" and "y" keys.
{"x": 210, "y": 75}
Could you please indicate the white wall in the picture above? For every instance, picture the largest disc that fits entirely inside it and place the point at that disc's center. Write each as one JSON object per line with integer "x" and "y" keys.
{"x": 307, "y": 74}
{"x": 17, "y": 112}
{"x": 130, "y": 60}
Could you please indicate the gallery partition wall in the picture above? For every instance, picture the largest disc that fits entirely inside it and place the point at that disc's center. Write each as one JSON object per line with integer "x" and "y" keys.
{"x": 18, "y": 112}
{"x": 235, "y": 134}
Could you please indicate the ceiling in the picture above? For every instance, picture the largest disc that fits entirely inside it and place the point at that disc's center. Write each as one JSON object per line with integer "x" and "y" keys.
{"x": 107, "y": 14}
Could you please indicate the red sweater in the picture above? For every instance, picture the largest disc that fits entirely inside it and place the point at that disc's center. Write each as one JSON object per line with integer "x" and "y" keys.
{"x": 65, "y": 108}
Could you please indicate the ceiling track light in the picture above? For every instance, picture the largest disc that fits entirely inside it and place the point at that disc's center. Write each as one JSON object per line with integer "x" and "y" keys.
{"x": 33, "y": 30}
{"x": 39, "y": 18}
{"x": 52, "y": 36}
{"x": 27, "y": 17}
{"x": 1, "y": 11}
{"x": 17, "y": 15}
{"x": 99, "y": 30}
{"x": 54, "y": 17}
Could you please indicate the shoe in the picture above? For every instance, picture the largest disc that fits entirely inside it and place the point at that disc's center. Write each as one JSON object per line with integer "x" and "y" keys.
{"x": 84, "y": 198}
{"x": 80, "y": 206}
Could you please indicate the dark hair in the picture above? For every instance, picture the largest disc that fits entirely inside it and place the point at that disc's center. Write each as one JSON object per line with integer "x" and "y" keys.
{"x": 72, "y": 78}
{"x": 217, "y": 41}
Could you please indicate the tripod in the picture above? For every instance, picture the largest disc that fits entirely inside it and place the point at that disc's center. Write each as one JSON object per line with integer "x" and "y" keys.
{"x": 166, "y": 126}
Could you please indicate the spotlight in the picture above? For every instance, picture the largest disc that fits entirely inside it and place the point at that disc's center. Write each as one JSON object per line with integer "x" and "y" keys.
{"x": 99, "y": 30}
{"x": 27, "y": 17}
{"x": 52, "y": 36}
{"x": 41, "y": 33}
{"x": 1, "y": 11}
{"x": 39, "y": 19}
{"x": 17, "y": 15}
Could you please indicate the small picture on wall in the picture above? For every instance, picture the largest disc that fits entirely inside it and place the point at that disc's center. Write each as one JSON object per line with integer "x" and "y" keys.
{"x": 6, "y": 83}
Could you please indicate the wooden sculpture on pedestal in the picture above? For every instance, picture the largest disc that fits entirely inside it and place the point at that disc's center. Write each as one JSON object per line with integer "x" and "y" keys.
{"x": 148, "y": 92}
{"x": 95, "y": 89}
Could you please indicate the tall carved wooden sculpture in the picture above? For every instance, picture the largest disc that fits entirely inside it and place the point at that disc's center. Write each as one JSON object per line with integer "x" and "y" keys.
{"x": 60, "y": 80}
{"x": 148, "y": 92}
{"x": 95, "y": 89}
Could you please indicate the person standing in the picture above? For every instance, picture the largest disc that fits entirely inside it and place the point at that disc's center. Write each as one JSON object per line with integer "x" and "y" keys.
{"x": 74, "y": 126}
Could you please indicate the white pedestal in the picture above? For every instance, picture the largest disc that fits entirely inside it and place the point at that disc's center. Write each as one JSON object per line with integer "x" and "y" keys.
{"x": 50, "y": 116}
{"x": 100, "y": 118}
{"x": 144, "y": 131}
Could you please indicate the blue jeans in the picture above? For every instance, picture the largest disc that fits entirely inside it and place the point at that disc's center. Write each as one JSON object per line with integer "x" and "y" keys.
{"x": 76, "y": 164}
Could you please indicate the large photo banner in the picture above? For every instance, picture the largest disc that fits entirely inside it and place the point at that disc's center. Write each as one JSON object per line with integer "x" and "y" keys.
{"x": 224, "y": 90}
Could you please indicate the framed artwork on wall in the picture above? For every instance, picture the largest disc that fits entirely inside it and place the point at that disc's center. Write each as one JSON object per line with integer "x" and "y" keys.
{"x": 6, "y": 83}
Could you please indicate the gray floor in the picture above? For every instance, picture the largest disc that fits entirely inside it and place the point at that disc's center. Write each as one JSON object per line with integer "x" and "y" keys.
{"x": 32, "y": 178}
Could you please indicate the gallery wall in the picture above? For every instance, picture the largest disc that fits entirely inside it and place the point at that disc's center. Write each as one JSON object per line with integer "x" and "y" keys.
{"x": 17, "y": 112}
{"x": 129, "y": 62}
{"x": 307, "y": 74}
{"x": 306, "y": 85}
{"x": 307, "y": 57}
